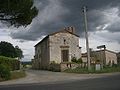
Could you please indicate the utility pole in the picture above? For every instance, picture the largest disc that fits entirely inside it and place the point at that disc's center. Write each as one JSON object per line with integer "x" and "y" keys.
{"x": 86, "y": 36}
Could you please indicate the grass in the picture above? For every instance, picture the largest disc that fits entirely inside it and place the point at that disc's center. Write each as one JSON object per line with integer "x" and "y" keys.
{"x": 86, "y": 71}
{"x": 18, "y": 74}
{"x": 15, "y": 75}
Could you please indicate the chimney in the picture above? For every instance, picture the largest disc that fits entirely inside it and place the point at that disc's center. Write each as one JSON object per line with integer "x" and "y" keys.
{"x": 71, "y": 29}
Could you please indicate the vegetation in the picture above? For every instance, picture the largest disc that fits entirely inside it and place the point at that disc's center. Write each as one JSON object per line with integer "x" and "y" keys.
{"x": 18, "y": 52}
{"x": 17, "y": 12}
{"x": 13, "y": 75}
{"x": 8, "y": 50}
{"x": 12, "y": 63}
{"x": 26, "y": 64}
{"x": 4, "y": 72}
{"x": 17, "y": 74}
{"x": 75, "y": 60}
{"x": 86, "y": 71}
{"x": 6, "y": 65}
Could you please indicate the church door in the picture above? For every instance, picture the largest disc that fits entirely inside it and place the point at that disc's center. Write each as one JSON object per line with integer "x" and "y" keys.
{"x": 65, "y": 55}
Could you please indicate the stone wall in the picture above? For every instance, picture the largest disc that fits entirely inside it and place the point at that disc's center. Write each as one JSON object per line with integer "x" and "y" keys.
{"x": 41, "y": 59}
{"x": 111, "y": 57}
{"x": 65, "y": 66}
{"x": 58, "y": 40}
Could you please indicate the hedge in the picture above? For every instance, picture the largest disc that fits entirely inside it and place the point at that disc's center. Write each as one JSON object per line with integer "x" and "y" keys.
{"x": 12, "y": 63}
{"x": 4, "y": 72}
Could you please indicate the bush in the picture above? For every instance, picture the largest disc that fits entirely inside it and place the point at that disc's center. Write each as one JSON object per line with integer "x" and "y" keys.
{"x": 74, "y": 59}
{"x": 79, "y": 61}
{"x": 4, "y": 72}
{"x": 12, "y": 63}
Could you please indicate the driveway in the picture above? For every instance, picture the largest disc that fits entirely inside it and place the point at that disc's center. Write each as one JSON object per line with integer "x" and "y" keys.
{"x": 39, "y": 76}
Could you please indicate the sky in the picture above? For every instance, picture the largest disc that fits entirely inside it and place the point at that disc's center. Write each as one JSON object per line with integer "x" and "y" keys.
{"x": 103, "y": 24}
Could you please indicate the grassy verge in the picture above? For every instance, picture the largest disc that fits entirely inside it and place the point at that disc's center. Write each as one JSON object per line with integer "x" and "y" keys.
{"x": 17, "y": 74}
{"x": 85, "y": 70}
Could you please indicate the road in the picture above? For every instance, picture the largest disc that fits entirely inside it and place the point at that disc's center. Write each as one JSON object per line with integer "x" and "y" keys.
{"x": 111, "y": 82}
{"x": 39, "y": 76}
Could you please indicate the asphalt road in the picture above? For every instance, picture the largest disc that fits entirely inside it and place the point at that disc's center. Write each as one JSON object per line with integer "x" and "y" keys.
{"x": 104, "y": 83}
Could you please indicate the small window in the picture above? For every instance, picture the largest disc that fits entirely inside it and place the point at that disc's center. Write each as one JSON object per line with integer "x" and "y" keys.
{"x": 64, "y": 41}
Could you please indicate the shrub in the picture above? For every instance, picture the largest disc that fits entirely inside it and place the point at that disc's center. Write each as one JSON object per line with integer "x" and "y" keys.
{"x": 74, "y": 59}
{"x": 4, "y": 72}
{"x": 79, "y": 61}
{"x": 12, "y": 63}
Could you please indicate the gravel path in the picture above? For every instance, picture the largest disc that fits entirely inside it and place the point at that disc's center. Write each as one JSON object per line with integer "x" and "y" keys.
{"x": 38, "y": 76}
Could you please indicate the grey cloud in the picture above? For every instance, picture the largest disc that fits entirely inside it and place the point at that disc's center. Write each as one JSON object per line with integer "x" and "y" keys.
{"x": 115, "y": 27}
{"x": 56, "y": 14}
{"x": 112, "y": 37}
{"x": 48, "y": 20}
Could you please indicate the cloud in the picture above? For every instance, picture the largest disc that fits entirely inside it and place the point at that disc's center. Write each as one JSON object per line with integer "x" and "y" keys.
{"x": 110, "y": 36}
{"x": 56, "y": 14}
{"x": 103, "y": 24}
{"x": 48, "y": 20}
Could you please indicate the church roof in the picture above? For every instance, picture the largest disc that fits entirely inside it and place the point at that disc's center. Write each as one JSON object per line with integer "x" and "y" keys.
{"x": 70, "y": 30}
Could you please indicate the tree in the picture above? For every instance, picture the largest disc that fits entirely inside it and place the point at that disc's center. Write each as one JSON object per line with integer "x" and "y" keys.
{"x": 19, "y": 52}
{"x": 7, "y": 49}
{"x": 17, "y": 12}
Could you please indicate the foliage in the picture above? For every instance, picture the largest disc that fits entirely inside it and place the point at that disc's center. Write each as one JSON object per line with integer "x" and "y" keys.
{"x": 19, "y": 52}
{"x": 79, "y": 61}
{"x": 74, "y": 59}
{"x": 12, "y": 63}
{"x": 86, "y": 71}
{"x": 4, "y": 72}
{"x": 26, "y": 64}
{"x": 8, "y": 50}
{"x": 17, "y": 12}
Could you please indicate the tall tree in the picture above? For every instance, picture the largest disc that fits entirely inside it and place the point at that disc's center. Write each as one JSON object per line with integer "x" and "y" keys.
{"x": 17, "y": 12}
{"x": 7, "y": 49}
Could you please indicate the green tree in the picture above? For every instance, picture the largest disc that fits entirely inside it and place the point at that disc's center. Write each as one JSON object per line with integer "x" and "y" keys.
{"x": 7, "y": 49}
{"x": 17, "y": 12}
{"x": 19, "y": 52}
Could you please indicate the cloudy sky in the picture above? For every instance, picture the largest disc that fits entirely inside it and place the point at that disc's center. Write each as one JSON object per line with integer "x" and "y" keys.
{"x": 103, "y": 24}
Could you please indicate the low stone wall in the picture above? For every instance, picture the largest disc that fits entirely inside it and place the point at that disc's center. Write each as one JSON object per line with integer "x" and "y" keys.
{"x": 64, "y": 66}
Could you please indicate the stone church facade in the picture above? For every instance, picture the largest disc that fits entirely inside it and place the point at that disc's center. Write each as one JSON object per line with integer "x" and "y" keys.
{"x": 58, "y": 47}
